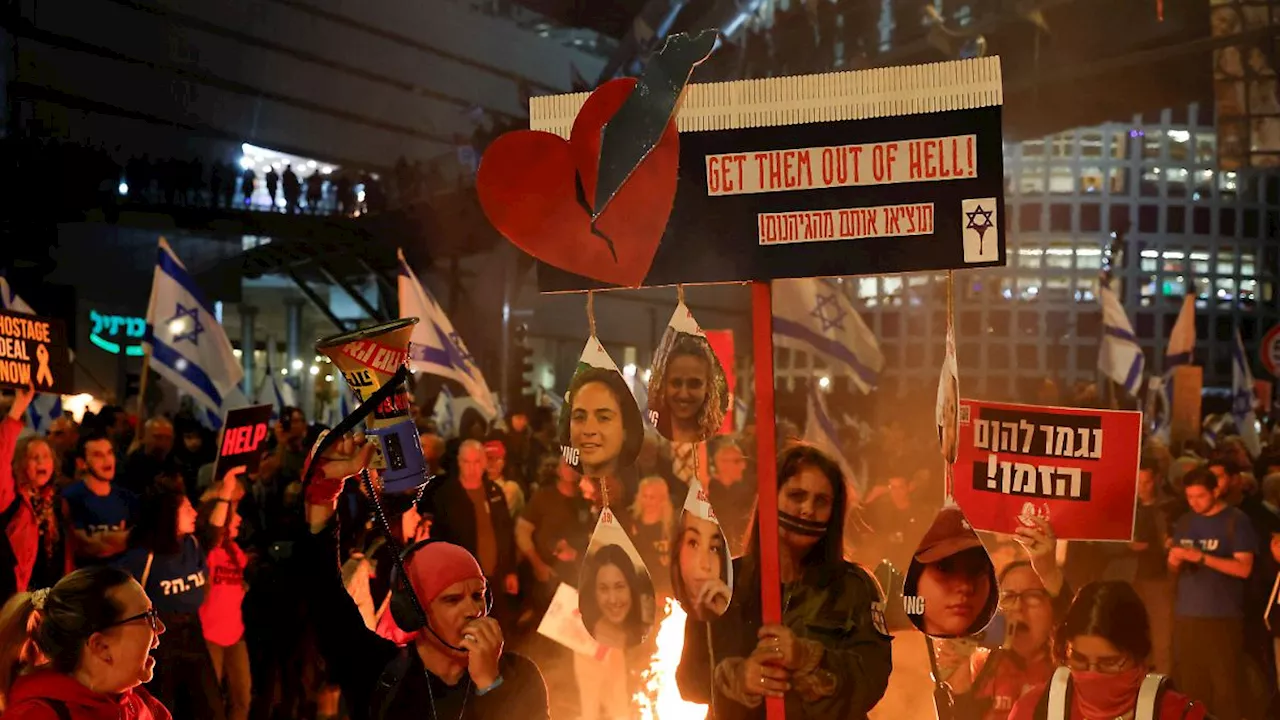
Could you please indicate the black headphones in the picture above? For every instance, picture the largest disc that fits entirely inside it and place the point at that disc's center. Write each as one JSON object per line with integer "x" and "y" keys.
{"x": 407, "y": 611}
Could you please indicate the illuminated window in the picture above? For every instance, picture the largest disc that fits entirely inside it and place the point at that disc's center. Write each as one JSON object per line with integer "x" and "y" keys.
{"x": 1062, "y": 145}
{"x": 1151, "y": 144}
{"x": 892, "y": 285}
{"x": 1031, "y": 180}
{"x": 1179, "y": 145}
{"x": 1061, "y": 181}
{"x": 1202, "y": 288}
{"x": 1176, "y": 178}
{"x": 1091, "y": 143}
{"x": 1199, "y": 260}
{"x": 1119, "y": 181}
{"x": 1173, "y": 261}
{"x": 1246, "y": 263}
{"x": 1033, "y": 148}
{"x": 1119, "y": 147}
{"x": 1175, "y": 286}
{"x": 1091, "y": 179}
{"x": 1028, "y": 287}
{"x": 1225, "y": 289}
{"x": 1150, "y": 185}
{"x": 1086, "y": 288}
{"x": 1058, "y": 286}
{"x": 1088, "y": 258}
{"x": 1227, "y": 185}
{"x": 1029, "y": 257}
{"x": 1059, "y": 256}
{"x": 867, "y": 287}
{"x": 1206, "y": 148}
{"x": 1147, "y": 288}
{"x": 1226, "y": 260}
{"x": 1203, "y": 184}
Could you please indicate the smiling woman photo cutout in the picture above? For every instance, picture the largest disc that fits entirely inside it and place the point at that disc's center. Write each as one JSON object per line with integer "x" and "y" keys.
{"x": 615, "y": 591}
{"x": 600, "y": 423}
{"x": 688, "y": 392}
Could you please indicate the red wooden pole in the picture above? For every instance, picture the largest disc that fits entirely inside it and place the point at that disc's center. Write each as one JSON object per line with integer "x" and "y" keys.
{"x": 766, "y": 466}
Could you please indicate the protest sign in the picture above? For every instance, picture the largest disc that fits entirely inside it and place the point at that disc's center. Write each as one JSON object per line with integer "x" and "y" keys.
{"x": 244, "y": 436}
{"x": 857, "y": 179}
{"x": 563, "y": 623}
{"x": 1076, "y": 468}
{"x": 33, "y": 353}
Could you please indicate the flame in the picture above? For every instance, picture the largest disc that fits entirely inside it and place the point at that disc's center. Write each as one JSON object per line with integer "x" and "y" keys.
{"x": 661, "y": 699}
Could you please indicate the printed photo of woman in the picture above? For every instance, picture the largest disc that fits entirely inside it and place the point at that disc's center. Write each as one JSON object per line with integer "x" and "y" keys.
{"x": 950, "y": 589}
{"x": 613, "y": 595}
{"x": 688, "y": 393}
{"x": 701, "y": 568}
{"x": 600, "y": 422}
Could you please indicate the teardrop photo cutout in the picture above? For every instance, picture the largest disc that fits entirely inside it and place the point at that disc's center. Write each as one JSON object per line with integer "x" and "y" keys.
{"x": 600, "y": 426}
{"x": 950, "y": 589}
{"x": 702, "y": 569}
{"x": 947, "y": 409}
{"x": 688, "y": 392}
{"x": 615, "y": 591}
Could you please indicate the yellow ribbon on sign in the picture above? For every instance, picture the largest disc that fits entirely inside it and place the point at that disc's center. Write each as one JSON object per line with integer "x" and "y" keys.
{"x": 44, "y": 375}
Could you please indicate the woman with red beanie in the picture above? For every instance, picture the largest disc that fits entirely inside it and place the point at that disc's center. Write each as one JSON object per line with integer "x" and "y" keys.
{"x": 454, "y": 665}
{"x": 80, "y": 650}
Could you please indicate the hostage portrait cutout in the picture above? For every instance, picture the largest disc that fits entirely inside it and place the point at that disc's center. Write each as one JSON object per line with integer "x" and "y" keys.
{"x": 615, "y": 591}
{"x": 701, "y": 566}
{"x": 600, "y": 425}
{"x": 950, "y": 589}
{"x": 688, "y": 391}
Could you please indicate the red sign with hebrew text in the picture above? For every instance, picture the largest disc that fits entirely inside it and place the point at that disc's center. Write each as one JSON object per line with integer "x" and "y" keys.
{"x": 1075, "y": 467}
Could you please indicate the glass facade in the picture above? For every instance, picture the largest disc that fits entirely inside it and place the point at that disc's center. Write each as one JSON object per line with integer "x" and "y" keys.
{"x": 1190, "y": 228}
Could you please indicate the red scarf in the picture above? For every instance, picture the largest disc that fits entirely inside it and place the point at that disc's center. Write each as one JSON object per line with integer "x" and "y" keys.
{"x": 1106, "y": 696}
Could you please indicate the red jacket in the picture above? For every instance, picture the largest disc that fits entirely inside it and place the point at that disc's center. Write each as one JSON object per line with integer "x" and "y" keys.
{"x": 24, "y": 535}
{"x": 28, "y": 692}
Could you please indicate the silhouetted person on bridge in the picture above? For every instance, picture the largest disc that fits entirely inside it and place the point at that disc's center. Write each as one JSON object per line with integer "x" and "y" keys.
{"x": 346, "y": 195}
{"x": 273, "y": 184}
{"x": 315, "y": 192}
{"x": 247, "y": 180}
{"x": 292, "y": 190}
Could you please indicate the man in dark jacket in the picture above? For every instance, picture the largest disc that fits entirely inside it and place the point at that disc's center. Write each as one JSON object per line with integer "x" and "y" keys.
{"x": 471, "y": 511}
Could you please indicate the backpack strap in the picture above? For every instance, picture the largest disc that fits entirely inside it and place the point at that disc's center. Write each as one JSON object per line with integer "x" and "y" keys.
{"x": 1059, "y": 687}
{"x": 146, "y": 571}
{"x": 389, "y": 683}
{"x": 58, "y": 707}
{"x": 1149, "y": 694}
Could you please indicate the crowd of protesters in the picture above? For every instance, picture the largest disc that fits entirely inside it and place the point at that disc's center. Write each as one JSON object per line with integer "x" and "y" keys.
{"x": 218, "y": 604}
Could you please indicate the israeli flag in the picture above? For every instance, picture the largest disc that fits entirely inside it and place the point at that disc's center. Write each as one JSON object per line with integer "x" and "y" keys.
{"x": 816, "y": 316}
{"x": 435, "y": 347}
{"x": 184, "y": 339}
{"x": 1181, "y": 351}
{"x": 442, "y": 413}
{"x": 277, "y": 393}
{"x": 1243, "y": 398}
{"x": 45, "y": 406}
{"x": 820, "y": 431}
{"x": 1121, "y": 358}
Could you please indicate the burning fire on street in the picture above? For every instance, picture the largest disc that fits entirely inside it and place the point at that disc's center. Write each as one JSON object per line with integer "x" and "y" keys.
{"x": 661, "y": 699}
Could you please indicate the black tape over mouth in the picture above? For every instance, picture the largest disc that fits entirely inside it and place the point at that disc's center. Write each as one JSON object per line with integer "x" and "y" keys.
{"x": 800, "y": 526}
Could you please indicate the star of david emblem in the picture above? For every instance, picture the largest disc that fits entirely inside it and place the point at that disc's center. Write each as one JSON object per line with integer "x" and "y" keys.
{"x": 461, "y": 347}
{"x": 979, "y": 226}
{"x": 185, "y": 324}
{"x": 829, "y": 313}
{"x": 1242, "y": 404}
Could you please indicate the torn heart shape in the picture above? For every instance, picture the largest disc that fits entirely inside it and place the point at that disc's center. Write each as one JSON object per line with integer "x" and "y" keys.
{"x": 534, "y": 187}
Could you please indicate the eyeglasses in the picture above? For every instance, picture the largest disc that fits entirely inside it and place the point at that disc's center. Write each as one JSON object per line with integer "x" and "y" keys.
{"x": 1029, "y": 598}
{"x": 1108, "y": 666}
{"x": 152, "y": 617}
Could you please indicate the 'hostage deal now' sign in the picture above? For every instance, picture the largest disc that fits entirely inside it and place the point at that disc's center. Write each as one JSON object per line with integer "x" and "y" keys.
{"x": 1076, "y": 468}
{"x": 33, "y": 353}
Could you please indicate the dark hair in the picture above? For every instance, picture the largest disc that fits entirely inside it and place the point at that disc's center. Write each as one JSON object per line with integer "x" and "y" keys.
{"x": 157, "y": 529}
{"x": 635, "y": 625}
{"x": 716, "y": 444}
{"x": 1149, "y": 463}
{"x": 76, "y": 607}
{"x": 93, "y": 435}
{"x": 1227, "y": 464}
{"x": 632, "y": 424}
{"x": 1201, "y": 476}
{"x": 830, "y": 549}
{"x": 1110, "y": 609}
{"x": 678, "y": 589}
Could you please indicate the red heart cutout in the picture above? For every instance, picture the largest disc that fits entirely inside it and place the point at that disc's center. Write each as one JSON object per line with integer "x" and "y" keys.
{"x": 527, "y": 183}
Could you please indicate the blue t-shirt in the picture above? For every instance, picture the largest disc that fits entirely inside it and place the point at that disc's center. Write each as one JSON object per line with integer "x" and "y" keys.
{"x": 96, "y": 514}
{"x": 1204, "y": 592}
{"x": 176, "y": 582}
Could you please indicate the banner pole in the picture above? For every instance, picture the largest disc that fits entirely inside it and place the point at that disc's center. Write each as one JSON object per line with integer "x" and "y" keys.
{"x": 766, "y": 467}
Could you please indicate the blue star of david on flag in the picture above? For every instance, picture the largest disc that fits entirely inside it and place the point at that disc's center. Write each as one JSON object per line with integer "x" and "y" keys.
{"x": 829, "y": 312}
{"x": 459, "y": 347}
{"x": 181, "y": 329}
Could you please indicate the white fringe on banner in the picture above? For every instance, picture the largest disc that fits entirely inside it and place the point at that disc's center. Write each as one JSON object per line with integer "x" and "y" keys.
{"x": 827, "y": 97}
